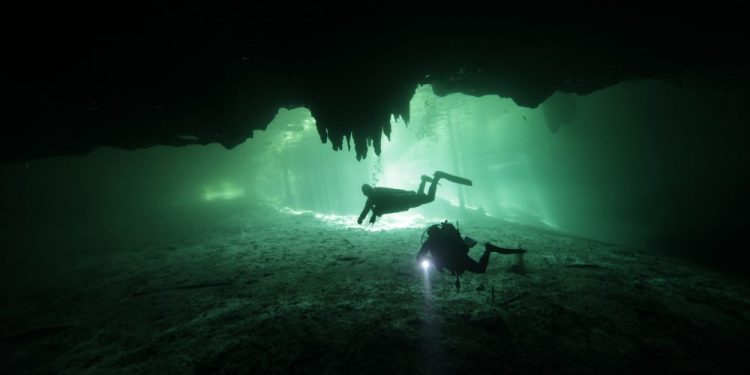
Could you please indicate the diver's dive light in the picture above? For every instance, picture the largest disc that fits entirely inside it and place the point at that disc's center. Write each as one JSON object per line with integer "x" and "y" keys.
{"x": 425, "y": 264}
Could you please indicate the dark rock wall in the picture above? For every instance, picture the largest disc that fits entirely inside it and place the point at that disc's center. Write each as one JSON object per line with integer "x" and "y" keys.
{"x": 133, "y": 76}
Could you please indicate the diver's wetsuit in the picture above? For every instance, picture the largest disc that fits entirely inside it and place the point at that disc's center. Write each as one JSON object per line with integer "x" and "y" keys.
{"x": 387, "y": 200}
{"x": 451, "y": 252}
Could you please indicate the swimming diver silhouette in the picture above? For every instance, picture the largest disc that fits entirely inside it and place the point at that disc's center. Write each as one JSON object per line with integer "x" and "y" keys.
{"x": 382, "y": 200}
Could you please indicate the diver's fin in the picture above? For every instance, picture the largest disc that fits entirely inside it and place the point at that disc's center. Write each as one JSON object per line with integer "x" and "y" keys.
{"x": 501, "y": 250}
{"x": 452, "y": 178}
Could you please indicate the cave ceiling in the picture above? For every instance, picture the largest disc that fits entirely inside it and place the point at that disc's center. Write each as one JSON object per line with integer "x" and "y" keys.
{"x": 133, "y": 77}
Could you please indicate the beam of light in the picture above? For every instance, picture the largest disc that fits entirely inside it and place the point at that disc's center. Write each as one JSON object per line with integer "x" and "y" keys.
{"x": 402, "y": 220}
{"x": 225, "y": 191}
{"x": 425, "y": 265}
{"x": 543, "y": 213}
{"x": 431, "y": 334}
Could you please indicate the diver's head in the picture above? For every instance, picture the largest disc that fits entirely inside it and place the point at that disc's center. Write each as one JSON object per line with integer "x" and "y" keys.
{"x": 366, "y": 189}
{"x": 433, "y": 230}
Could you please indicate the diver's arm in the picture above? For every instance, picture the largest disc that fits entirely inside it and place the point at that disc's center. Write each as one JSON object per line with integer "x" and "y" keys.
{"x": 368, "y": 206}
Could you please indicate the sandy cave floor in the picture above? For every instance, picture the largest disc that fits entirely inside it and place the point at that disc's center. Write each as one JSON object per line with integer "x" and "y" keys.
{"x": 247, "y": 289}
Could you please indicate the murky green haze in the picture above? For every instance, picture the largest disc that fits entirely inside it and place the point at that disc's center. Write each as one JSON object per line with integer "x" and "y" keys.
{"x": 641, "y": 164}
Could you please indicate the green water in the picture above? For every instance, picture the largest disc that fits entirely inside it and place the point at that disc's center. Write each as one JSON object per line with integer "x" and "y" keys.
{"x": 641, "y": 164}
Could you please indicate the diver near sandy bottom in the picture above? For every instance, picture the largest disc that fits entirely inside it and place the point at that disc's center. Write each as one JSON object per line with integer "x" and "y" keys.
{"x": 383, "y": 200}
{"x": 448, "y": 250}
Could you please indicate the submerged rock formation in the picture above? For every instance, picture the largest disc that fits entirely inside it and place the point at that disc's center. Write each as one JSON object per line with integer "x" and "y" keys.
{"x": 85, "y": 77}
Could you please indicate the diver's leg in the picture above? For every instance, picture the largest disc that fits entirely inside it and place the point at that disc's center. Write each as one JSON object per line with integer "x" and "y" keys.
{"x": 433, "y": 189}
{"x": 420, "y": 198}
{"x": 478, "y": 267}
{"x": 502, "y": 250}
{"x": 415, "y": 201}
{"x": 421, "y": 184}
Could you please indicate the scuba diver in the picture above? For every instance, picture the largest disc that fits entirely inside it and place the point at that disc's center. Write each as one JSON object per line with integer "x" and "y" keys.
{"x": 448, "y": 250}
{"x": 383, "y": 200}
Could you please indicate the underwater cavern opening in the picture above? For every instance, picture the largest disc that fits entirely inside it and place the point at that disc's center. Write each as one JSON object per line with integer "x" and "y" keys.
{"x": 257, "y": 252}
{"x": 638, "y": 164}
